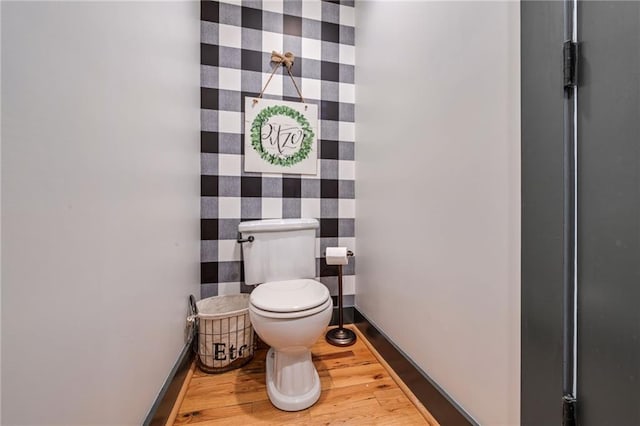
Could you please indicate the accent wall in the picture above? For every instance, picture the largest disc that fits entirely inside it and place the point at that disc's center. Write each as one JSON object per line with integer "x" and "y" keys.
{"x": 237, "y": 38}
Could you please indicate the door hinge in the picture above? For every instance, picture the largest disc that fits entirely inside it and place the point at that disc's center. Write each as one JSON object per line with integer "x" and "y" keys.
{"x": 570, "y": 64}
{"x": 569, "y": 411}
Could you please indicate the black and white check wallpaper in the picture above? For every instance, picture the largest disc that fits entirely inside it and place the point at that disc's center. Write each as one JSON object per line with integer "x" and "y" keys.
{"x": 237, "y": 38}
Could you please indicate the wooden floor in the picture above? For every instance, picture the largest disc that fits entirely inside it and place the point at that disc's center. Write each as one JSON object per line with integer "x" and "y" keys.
{"x": 356, "y": 389}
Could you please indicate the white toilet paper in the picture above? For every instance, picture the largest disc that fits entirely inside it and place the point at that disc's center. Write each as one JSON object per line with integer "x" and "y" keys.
{"x": 336, "y": 256}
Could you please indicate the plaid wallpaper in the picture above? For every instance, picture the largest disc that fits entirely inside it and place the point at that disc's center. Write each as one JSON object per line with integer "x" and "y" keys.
{"x": 237, "y": 38}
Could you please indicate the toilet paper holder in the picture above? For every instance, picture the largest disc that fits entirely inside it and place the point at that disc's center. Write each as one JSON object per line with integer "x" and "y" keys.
{"x": 340, "y": 336}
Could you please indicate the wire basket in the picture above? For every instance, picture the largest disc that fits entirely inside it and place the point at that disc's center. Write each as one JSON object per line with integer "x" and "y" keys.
{"x": 223, "y": 335}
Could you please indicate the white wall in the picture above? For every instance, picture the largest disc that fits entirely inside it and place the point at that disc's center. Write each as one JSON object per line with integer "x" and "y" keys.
{"x": 438, "y": 178}
{"x": 100, "y": 205}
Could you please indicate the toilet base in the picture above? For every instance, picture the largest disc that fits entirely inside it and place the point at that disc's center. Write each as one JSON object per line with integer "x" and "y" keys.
{"x": 298, "y": 368}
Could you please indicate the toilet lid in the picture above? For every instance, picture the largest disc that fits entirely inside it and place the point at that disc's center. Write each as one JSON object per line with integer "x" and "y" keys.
{"x": 289, "y": 296}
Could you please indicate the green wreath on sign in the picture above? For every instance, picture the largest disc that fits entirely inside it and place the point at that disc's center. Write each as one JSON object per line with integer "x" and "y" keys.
{"x": 256, "y": 135}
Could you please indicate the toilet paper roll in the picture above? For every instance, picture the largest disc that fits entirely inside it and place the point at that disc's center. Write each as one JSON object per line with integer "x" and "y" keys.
{"x": 337, "y": 256}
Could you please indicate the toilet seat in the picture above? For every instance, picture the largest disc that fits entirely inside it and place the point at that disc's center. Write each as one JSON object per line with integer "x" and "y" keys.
{"x": 292, "y": 315}
{"x": 290, "y": 297}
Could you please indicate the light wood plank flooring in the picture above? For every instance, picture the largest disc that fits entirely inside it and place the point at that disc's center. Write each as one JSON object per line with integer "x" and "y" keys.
{"x": 357, "y": 388}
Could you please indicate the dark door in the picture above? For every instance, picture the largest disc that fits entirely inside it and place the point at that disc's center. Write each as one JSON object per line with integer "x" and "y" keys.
{"x": 608, "y": 211}
{"x": 542, "y": 212}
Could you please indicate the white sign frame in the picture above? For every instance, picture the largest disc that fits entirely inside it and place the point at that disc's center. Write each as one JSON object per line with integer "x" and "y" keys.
{"x": 280, "y": 136}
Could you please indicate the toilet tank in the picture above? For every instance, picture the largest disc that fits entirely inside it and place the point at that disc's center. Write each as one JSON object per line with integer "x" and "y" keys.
{"x": 282, "y": 249}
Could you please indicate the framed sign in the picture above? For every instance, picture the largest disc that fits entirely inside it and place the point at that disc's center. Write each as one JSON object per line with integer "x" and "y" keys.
{"x": 280, "y": 136}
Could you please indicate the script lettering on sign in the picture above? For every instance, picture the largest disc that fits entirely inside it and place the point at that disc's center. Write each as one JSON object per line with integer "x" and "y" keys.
{"x": 281, "y": 138}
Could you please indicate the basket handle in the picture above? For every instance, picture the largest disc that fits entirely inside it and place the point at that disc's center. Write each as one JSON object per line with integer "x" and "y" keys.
{"x": 192, "y": 320}
{"x": 193, "y": 310}
{"x": 192, "y": 305}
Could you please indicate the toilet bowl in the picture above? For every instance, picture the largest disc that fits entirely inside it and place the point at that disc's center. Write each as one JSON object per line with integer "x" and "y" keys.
{"x": 288, "y": 309}
{"x": 292, "y": 381}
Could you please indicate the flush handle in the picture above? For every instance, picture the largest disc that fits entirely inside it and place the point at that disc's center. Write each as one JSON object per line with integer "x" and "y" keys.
{"x": 249, "y": 239}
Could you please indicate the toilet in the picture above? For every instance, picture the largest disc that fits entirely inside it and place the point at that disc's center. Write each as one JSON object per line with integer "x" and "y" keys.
{"x": 289, "y": 309}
